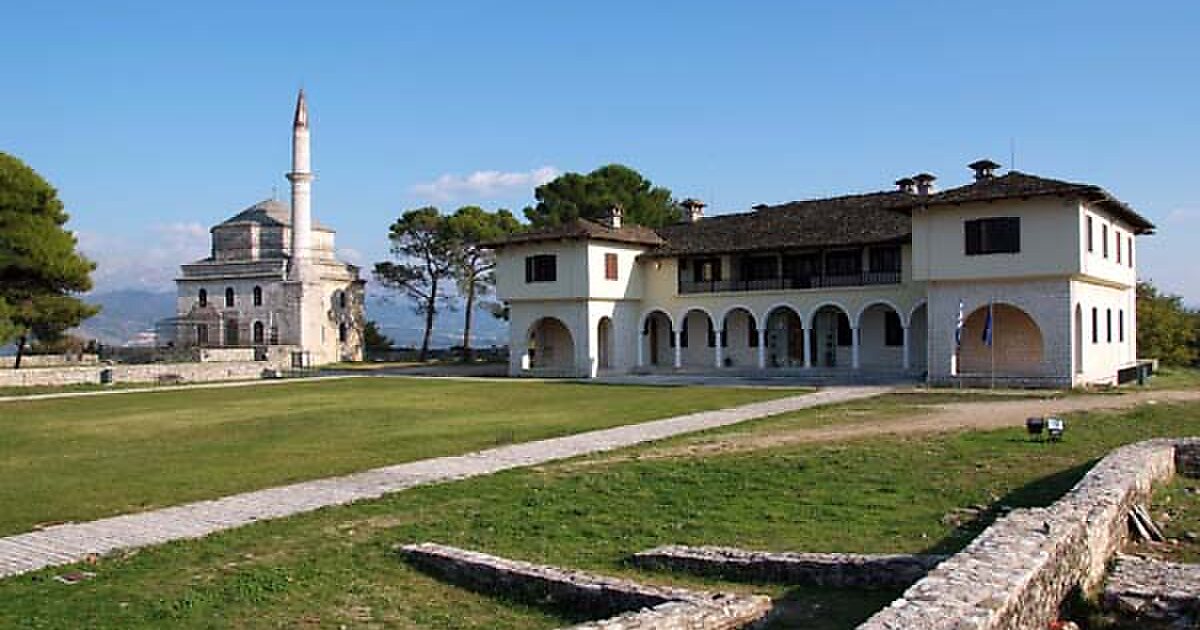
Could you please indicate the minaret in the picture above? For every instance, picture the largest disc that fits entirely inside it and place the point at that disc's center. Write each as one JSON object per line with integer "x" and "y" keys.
{"x": 301, "y": 179}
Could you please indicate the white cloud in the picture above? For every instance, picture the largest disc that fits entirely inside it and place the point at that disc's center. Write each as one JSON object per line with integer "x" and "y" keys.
{"x": 482, "y": 184}
{"x": 148, "y": 260}
{"x": 351, "y": 255}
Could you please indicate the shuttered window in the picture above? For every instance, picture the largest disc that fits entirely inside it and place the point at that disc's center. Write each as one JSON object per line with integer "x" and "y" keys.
{"x": 998, "y": 235}
{"x": 610, "y": 266}
{"x": 541, "y": 268}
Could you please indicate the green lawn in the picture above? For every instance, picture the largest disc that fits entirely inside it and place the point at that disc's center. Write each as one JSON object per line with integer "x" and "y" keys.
{"x": 84, "y": 458}
{"x": 338, "y": 566}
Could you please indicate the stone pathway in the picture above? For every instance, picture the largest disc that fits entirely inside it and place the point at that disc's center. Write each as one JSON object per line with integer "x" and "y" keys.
{"x": 74, "y": 542}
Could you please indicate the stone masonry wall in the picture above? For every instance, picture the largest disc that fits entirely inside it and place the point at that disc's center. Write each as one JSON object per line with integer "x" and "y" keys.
{"x": 839, "y": 570}
{"x": 637, "y": 606}
{"x": 146, "y": 373}
{"x": 1016, "y": 574}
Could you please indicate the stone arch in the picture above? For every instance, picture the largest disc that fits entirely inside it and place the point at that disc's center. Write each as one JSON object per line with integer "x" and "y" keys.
{"x": 787, "y": 343}
{"x": 604, "y": 342}
{"x": 1017, "y": 347}
{"x": 698, "y": 346}
{"x": 881, "y": 336}
{"x": 912, "y": 313}
{"x": 738, "y": 337}
{"x": 857, "y": 321}
{"x": 831, "y": 334}
{"x": 259, "y": 334}
{"x": 657, "y": 338}
{"x": 550, "y": 345}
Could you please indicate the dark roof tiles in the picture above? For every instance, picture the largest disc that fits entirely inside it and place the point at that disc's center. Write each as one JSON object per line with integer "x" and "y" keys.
{"x": 582, "y": 228}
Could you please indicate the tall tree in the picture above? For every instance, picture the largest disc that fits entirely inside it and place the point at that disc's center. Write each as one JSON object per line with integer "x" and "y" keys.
{"x": 373, "y": 339}
{"x": 474, "y": 265}
{"x": 40, "y": 269}
{"x": 421, "y": 242}
{"x": 1166, "y": 330}
{"x": 590, "y": 196}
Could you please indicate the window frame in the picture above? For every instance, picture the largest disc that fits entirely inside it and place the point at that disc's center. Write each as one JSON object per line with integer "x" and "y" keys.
{"x": 611, "y": 266}
{"x": 987, "y": 236}
{"x": 257, "y": 294}
{"x": 537, "y": 265}
{"x": 202, "y": 298}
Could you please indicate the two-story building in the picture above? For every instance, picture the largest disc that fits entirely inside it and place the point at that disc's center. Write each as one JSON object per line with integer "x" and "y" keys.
{"x": 1012, "y": 278}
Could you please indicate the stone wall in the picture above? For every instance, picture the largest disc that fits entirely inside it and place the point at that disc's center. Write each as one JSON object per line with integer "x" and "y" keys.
{"x": 637, "y": 606}
{"x": 146, "y": 373}
{"x": 1155, "y": 591}
{"x": 50, "y": 360}
{"x": 1017, "y": 573}
{"x": 839, "y": 570}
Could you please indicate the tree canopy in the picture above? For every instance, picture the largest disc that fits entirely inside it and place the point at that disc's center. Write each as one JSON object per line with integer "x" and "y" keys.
{"x": 590, "y": 196}
{"x": 1166, "y": 330}
{"x": 373, "y": 339}
{"x": 421, "y": 242}
{"x": 474, "y": 265}
{"x": 40, "y": 269}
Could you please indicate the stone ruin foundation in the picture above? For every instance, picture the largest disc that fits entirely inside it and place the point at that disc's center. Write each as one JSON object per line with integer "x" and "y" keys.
{"x": 1015, "y": 575}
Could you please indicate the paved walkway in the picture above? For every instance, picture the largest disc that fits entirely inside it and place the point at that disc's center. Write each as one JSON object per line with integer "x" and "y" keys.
{"x": 69, "y": 543}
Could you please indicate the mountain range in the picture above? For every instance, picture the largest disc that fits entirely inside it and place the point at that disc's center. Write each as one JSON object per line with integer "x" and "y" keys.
{"x": 126, "y": 315}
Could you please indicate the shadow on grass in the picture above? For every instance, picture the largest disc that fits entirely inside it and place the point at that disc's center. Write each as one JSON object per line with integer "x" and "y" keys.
{"x": 1037, "y": 493}
{"x": 815, "y": 608}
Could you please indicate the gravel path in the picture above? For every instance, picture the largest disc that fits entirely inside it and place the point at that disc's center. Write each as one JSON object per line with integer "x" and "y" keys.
{"x": 73, "y": 542}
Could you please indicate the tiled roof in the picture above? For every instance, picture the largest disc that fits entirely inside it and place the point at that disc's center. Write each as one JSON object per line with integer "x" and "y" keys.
{"x": 850, "y": 220}
{"x": 582, "y": 228}
{"x": 1015, "y": 184}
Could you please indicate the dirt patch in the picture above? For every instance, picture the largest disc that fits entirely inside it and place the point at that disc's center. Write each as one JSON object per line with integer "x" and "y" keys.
{"x": 934, "y": 418}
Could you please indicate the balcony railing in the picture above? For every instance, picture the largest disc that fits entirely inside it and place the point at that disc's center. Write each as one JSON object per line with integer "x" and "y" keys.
{"x": 866, "y": 278}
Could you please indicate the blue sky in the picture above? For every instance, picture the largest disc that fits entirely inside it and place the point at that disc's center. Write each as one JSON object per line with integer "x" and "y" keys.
{"x": 156, "y": 120}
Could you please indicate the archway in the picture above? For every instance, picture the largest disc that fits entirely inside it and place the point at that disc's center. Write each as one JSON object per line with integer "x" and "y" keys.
{"x": 697, "y": 339}
{"x": 1012, "y": 346}
{"x": 259, "y": 334}
{"x": 551, "y": 346}
{"x": 658, "y": 339}
{"x": 832, "y": 337}
{"x": 738, "y": 338}
{"x": 881, "y": 337}
{"x": 918, "y": 338}
{"x": 786, "y": 344}
{"x": 604, "y": 343}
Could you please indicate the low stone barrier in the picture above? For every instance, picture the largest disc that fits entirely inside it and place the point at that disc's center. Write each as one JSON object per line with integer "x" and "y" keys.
{"x": 1153, "y": 590}
{"x": 143, "y": 373}
{"x": 50, "y": 360}
{"x": 637, "y": 606}
{"x": 1017, "y": 573}
{"x": 841, "y": 570}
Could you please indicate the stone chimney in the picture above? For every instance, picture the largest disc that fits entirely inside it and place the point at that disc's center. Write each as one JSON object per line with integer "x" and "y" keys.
{"x": 906, "y": 185}
{"x": 983, "y": 169}
{"x": 614, "y": 216}
{"x": 924, "y": 182}
{"x": 693, "y": 210}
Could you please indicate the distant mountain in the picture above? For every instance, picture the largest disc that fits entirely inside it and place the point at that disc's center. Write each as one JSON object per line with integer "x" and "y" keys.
{"x": 125, "y": 314}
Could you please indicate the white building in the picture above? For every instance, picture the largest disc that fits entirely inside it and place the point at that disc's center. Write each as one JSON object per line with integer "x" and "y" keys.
{"x": 273, "y": 280}
{"x": 868, "y": 283}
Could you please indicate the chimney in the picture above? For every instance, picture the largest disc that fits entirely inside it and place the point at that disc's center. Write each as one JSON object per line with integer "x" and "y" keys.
{"x": 983, "y": 169}
{"x": 693, "y": 210}
{"x": 906, "y": 185}
{"x": 924, "y": 182}
{"x": 614, "y": 216}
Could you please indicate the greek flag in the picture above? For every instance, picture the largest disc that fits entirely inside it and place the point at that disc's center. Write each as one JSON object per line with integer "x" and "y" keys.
{"x": 958, "y": 325}
{"x": 987, "y": 328}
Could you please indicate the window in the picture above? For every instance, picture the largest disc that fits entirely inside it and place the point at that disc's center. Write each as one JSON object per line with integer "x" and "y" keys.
{"x": 884, "y": 259}
{"x": 202, "y": 334}
{"x": 1117, "y": 239}
{"x": 610, "y": 266}
{"x": 342, "y": 300}
{"x": 999, "y": 235}
{"x": 1090, "y": 235}
{"x": 1104, "y": 240}
{"x": 258, "y": 296}
{"x": 845, "y": 336}
{"x": 1121, "y": 325}
{"x": 259, "y": 332}
{"x": 541, "y": 268}
{"x": 343, "y": 333}
{"x": 231, "y": 332}
{"x": 760, "y": 268}
{"x": 707, "y": 270}
{"x": 1095, "y": 325}
{"x": 893, "y": 332}
{"x": 1108, "y": 324}
{"x": 229, "y": 297}
{"x": 844, "y": 263}
{"x": 1129, "y": 250}
{"x": 203, "y": 298}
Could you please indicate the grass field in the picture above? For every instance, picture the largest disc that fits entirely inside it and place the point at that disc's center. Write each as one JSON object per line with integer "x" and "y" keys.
{"x": 338, "y": 566}
{"x": 84, "y": 458}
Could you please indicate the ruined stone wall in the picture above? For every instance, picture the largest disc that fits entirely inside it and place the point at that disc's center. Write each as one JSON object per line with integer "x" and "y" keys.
{"x": 1016, "y": 574}
{"x": 146, "y": 373}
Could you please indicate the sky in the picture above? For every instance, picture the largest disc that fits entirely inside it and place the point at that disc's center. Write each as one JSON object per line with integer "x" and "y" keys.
{"x": 157, "y": 120}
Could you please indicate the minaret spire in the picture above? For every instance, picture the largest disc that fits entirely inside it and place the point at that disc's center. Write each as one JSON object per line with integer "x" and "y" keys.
{"x": 301, "y": 179}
